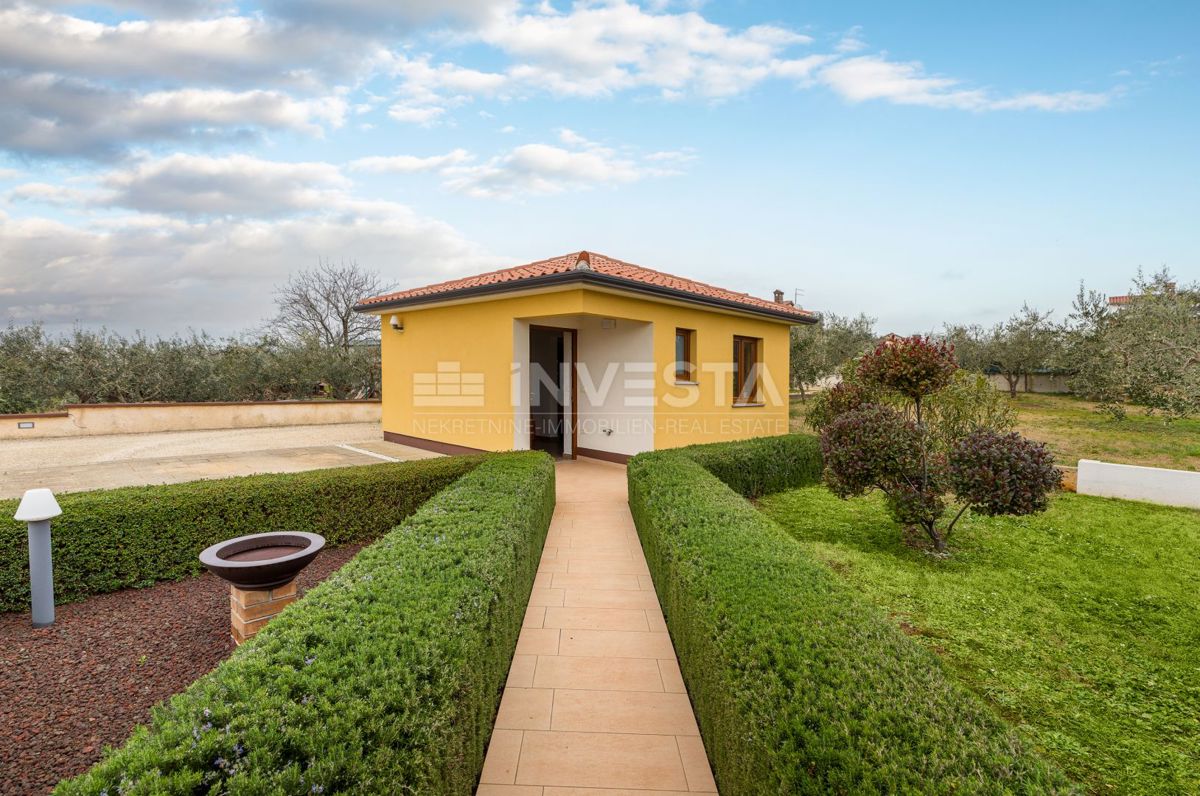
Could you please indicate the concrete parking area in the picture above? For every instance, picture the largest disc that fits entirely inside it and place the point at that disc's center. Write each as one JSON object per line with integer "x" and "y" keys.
{"x": 73, "y": 464}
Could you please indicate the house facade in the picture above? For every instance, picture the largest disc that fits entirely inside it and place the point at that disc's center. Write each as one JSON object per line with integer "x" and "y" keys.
{"x": 581, "y": 355}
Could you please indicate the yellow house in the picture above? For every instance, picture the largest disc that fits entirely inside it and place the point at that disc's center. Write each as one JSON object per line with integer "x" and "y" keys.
{"x": 581, "y": 355}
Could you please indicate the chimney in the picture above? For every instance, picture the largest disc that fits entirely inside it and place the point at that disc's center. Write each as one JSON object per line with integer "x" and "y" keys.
{"x": 778, "y": 296}
{"x": 583, "y": 262}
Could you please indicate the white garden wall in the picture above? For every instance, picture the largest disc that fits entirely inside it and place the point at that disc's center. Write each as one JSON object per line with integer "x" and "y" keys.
{"x": 1131, "y": 482}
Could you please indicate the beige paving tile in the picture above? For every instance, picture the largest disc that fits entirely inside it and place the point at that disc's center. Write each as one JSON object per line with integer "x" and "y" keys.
{"x": 557, "y": 791}
{"x": 613, "y": 544}
{"x": 609, "y": 674}
{"x": 624, "y": 554}
{"x": 588, "y": 566}
{"x": 594, "y": 704}
{"x": 526, "y": 709}
{"x": 596, "y": 618}
{"x": 672, "y": 678}
{"x": 565, "y": 580}
{"x": 695, "y": 764}
{"x": 509, "y": 790}
{"x": 622, "y": 711}
{"x": 601, "y": 759}
{"x": 654, "y": 619}
{"x": 614, "y": 644}
{"x": 609, "y": 598}
{"x": 500, "y": 765}
{"x": 544, "y": 596}
{"x": 520, "y": 673}
{"x": 538, "y": 641}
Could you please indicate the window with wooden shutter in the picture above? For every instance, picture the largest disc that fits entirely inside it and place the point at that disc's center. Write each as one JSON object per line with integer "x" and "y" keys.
{"x": 745, "y": 370}
{"x": 685, "y": 355}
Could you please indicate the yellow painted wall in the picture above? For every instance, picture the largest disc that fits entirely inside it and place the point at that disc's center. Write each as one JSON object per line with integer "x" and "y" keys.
{"x": 479, "y": 336}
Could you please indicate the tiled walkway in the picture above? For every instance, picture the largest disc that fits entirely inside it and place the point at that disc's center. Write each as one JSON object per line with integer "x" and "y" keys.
{"x": 595, "y": 705}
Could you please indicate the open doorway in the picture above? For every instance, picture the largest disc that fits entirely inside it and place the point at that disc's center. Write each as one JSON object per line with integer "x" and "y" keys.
{"x": 551, "y": 390}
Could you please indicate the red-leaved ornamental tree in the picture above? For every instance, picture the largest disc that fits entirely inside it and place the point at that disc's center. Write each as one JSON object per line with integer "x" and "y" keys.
{"x": 871, "y": 445}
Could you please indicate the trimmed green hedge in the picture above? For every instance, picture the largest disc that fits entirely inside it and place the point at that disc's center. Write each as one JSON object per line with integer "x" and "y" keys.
{"x": 384, "y": 679}
{"x": 762, "y": 466}
{"x": 120, "y": 538}
{"x": 798, "y": 684}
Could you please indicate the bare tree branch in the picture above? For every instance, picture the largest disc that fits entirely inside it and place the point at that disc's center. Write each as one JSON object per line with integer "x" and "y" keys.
{"x": 318, "y": 304}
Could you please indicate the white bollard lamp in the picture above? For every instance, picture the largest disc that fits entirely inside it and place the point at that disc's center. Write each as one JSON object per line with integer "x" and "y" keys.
{"x": 37, "y": 508}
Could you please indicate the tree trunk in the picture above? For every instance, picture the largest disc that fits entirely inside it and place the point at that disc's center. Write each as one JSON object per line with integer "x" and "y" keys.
{"x": 939, "y": 542}
{"x": 1012, "y": 380}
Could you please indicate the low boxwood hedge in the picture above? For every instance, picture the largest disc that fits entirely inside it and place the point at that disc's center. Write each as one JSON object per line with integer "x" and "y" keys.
{"x": 762, "y": 466}
{"x": 384, "y": 679}
{"x": 120, "y": 538}
{"x": 798, "y": 684}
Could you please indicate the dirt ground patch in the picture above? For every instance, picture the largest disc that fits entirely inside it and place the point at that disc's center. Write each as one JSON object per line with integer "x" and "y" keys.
{"x": 71, "y": 689}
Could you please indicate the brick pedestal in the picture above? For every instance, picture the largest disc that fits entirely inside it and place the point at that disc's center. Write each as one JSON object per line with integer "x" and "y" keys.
{"x": 250, "y": 610}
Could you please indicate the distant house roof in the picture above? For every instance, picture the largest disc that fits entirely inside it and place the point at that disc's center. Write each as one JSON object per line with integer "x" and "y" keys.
{"x": 591, "y": 268}
{"x": 1119, "y": 300}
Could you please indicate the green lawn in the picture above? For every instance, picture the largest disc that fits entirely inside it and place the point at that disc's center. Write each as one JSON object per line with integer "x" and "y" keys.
{"x": 1074, "y": 430}
{"x": 1080, "y": 625}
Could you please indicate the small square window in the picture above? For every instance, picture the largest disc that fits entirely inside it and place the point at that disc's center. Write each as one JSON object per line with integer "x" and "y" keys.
{"x": 685, "y": 355}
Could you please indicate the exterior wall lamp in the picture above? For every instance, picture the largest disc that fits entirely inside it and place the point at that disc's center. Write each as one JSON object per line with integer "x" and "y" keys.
{"x": 37, "y": 508}
{"x": 397, "y": 323}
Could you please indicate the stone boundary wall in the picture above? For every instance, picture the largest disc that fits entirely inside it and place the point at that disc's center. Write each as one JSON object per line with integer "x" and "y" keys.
{"x": 1133, "y": 482}
{"x": 96, "y": 419}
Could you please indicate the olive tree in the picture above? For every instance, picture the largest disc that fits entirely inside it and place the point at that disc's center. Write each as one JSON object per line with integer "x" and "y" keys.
{"x": 818, "y": 349}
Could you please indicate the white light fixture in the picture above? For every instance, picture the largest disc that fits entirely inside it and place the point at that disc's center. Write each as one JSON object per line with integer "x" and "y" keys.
{"x": 397, "y": 323}
{"x": 37, "y": 505}
{"x": 37, "y": 508}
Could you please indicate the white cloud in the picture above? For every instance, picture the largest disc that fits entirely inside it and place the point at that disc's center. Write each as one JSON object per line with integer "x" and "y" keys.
{"x": 605, "y": 47}
{"x": 44, "y": 114}
{"x": 160, "y": 273}
{"x": 600, "y": 49}
{"x": 410, "y": 164}
{"x": 542, "y": 169}
{"x": 228, "y": 51}
{"x": 160, "y": 8}
{"x": 426, "y": 115}
{"x": 373, "y": 16}
{"x": 238, "y": 185}
{"x": 851, "y": 41}
{"x": 44, "y": 193}
{"x": 872, "y": 77}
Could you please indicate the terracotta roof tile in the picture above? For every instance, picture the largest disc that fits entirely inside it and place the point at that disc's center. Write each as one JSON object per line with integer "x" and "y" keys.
{"x": 600, "y": 264}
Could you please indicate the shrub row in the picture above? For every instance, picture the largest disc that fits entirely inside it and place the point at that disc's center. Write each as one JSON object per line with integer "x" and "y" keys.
{"x": 384, "y": 679}
{"x": 119, "y": 538}
{"x": 799, "y": 685}
{"x": 762, "y": 466}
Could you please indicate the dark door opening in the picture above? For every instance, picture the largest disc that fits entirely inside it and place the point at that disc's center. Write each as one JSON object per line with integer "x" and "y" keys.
{"x": 551, "y": 385}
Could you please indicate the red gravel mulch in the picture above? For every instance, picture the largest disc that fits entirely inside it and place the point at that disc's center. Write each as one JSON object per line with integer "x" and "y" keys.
{"x": 84, "y": 683}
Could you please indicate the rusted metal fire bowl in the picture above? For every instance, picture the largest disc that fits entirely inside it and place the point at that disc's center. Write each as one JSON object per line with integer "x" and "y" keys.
{"x": 262, "y": 560}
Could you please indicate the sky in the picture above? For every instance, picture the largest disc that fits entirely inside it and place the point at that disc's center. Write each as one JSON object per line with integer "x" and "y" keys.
{"x": 165, "y": 164}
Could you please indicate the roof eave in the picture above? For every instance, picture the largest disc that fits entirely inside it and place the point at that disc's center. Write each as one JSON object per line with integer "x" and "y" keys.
{"x": 592, "y": 277}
